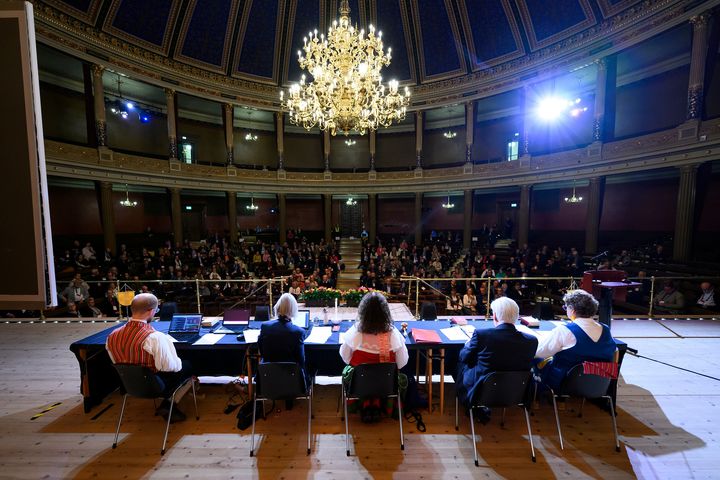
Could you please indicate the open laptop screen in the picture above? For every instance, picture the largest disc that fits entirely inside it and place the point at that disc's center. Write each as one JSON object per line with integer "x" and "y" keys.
{"x": 302, "y": 319}
{"x": 185, "y": 323}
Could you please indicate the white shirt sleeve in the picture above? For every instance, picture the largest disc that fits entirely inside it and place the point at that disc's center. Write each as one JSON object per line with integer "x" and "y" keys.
{"x": 560, "y": 338}
{"x": 163, "y": 351}
{"x": 397, "y": 345}
{"x": 348, "y": 346}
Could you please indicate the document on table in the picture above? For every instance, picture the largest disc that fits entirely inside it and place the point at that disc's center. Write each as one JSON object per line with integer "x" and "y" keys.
{"x": 540, "y": 334}
{"x": 251, "y": 336}
{"x": 468, "y": 329}
{"x": 319, "y": 335}
{"x": 455, "y": 334}
{"x": 209, "y": 339}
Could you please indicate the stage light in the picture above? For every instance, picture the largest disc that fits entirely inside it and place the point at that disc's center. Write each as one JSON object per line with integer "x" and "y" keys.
{"x": 129, "y": 105}
{"x": 551, "y": 108}
{"x": 144, "y": 117}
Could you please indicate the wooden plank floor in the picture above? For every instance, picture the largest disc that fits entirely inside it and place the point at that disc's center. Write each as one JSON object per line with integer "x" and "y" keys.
{"x": 668, "y": 424}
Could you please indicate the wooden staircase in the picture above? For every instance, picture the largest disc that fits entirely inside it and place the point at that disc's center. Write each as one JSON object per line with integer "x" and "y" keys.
{"x": 351, "y": 253}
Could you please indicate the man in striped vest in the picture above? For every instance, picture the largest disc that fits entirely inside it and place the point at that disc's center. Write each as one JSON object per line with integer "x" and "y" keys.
{"x": 138, "y": 343}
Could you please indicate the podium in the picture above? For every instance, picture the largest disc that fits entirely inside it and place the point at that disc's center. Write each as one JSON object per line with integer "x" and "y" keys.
{"x": 606, "y": 286}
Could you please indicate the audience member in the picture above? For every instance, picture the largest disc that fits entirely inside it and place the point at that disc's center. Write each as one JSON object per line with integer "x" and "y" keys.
{"x": 707, "y": 298}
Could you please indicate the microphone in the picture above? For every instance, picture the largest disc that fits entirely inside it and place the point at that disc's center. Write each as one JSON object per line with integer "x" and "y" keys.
{"x": 599, "y": 256}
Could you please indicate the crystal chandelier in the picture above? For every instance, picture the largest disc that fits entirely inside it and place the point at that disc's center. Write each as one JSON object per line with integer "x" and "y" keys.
{"x": 350, "y": 202}
{"x": 252, "y": 205}
{"x": 574, "y": 198}
{"x": 346, "y": 91}
{"x": 448, "y": 205}
{"x": 127, "y": 202}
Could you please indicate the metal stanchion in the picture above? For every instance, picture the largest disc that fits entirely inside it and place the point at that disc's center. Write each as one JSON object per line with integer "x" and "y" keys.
{"x": 487, "y": 307}
{"x": 417, "y": 298}
{"x": 197, "y": 293}
{"x": 652, "y": 294}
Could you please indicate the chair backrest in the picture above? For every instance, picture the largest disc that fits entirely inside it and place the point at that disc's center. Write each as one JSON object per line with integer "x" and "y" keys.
{"x": 374, "y": 380}
{"x": 579, "y": 384}
{"x": 428, "y": 311}
{"x": 502, "y": 389}
{"x": 167, "y": 309}
{"x": 278, "y": 380}
{"x": 262, "y": 313}
{"x": 140, "y": 381}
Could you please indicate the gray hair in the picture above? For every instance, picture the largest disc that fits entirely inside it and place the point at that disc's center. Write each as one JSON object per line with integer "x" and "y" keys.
{"x": 143, "y": 302}
{"x": 286, "y": 306}
{"x": 505, "y": 309}
{"x": 583, "y": 304}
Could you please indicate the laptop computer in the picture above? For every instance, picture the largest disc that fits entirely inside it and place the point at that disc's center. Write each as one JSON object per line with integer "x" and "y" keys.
{"x": 185, "y": 327}
{"x": 302, "y": 319}
{"x": 236, "y": 319}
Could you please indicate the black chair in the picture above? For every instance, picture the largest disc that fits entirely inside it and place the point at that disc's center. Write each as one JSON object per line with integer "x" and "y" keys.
{"x": 585, "y": 386}
{"x": 141, "y": 382}
{"x": 262, "y": 313}
{"x": 167, "y": 310}
{"x": 428, "y": 311}
{"x": 372, "y": 380}
{"x": 500, "y": 389}
{"x": 281, "y": 381}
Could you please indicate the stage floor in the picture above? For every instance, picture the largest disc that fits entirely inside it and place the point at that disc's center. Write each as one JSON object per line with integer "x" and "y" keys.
{"x": 668, "y": 422}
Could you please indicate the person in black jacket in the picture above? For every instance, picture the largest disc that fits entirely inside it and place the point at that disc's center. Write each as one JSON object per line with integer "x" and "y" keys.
{"x": 502, "y": 348}
{"x": 280, "y": 340}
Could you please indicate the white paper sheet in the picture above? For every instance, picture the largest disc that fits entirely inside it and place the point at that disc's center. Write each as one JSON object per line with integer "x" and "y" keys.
{"x": 540, "y": 334}
{"x": 529, "y": 331}
{"x": 319, "y": 335}
{"x": 251, "y": 336}
{"x": 468, "y": 329}
{"x": 342, "y": 338}
{"x": 455, "y": 334}
{"x": 209, "y": 339}
{"x": 557, "y": 323}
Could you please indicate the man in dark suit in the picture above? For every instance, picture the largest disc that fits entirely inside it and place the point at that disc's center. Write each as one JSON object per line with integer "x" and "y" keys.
{"x": 502, "y": 348}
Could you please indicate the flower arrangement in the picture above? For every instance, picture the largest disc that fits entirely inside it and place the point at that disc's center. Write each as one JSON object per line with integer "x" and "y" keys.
{"x": 353, "y": 296}
{"x": 321, "y": 296}
{"x": 325, "y": 297}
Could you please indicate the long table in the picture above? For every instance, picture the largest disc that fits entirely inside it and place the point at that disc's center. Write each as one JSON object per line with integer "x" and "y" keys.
{"x": 228, "y": 356}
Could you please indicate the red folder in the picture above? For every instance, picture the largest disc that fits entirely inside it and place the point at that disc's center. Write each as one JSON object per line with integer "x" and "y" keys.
{"x": 425, "y": 336}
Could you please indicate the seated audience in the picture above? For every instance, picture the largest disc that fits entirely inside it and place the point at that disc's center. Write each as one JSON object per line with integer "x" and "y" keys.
{"x": 373, "y": 339}
{"x": 669, "y": 299}
{"x": 498, "y": 349}
{"x": 707, "y": 298}
{"x": 138, "y": 343}
{"x": 454, "y": 302}
{"x": 584, "y": 339}
{"x": 470, "y": 302}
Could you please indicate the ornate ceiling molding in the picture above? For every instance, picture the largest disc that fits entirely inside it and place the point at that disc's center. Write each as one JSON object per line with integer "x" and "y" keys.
{"x": 654, "y": 151}
{"x": 615, "y": 33}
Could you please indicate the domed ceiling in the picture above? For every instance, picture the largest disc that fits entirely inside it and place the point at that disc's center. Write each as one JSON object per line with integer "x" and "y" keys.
{"x": 244, "y": 49}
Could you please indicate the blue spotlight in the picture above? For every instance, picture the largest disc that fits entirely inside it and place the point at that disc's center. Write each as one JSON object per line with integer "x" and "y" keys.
{"x": 144, "y": 117}
{"x": 129, "y": 105}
